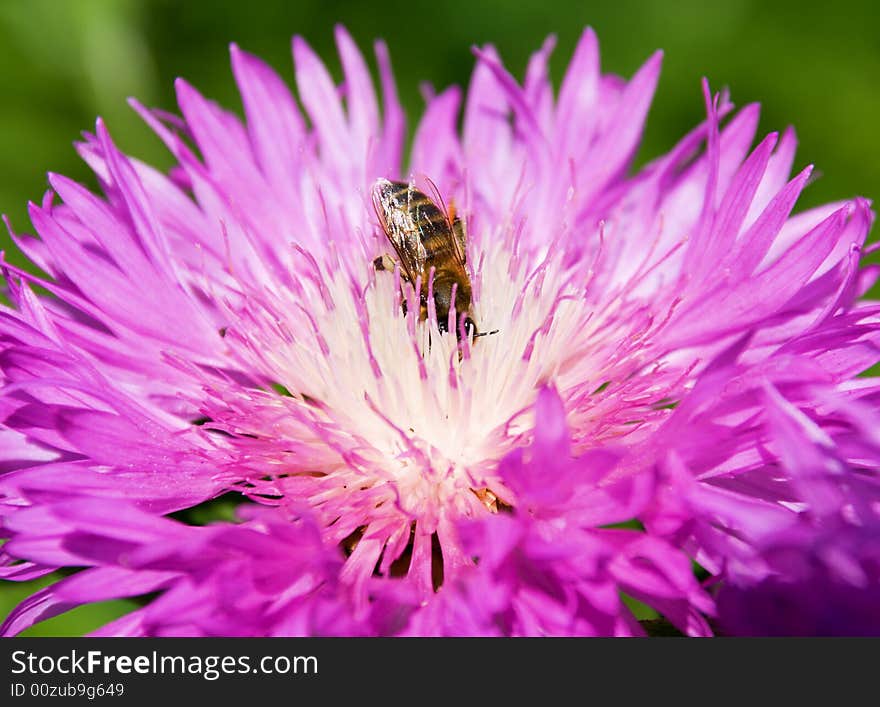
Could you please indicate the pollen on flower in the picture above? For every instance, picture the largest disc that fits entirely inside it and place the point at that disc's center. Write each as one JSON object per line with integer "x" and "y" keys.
{"x": 395, "y": 395}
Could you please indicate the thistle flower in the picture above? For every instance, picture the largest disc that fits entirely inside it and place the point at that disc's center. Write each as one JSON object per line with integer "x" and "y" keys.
{"x": 673, "y": 347}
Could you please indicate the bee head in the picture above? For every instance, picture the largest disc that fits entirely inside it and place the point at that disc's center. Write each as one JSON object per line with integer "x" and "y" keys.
{"x": 466, "y": 324}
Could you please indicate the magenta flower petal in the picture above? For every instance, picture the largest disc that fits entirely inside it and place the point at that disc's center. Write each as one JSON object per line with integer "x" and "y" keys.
{"x": 659, "y": 369}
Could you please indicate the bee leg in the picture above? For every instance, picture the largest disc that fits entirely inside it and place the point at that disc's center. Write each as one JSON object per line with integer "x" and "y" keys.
{"x": 384, "y": 262}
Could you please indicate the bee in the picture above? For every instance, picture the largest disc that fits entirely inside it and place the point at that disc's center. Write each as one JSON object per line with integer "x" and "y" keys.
{"x": 426, "y": 238}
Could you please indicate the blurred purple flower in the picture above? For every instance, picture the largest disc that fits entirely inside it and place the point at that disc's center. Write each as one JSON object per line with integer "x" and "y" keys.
{"x": 673, "y": 346}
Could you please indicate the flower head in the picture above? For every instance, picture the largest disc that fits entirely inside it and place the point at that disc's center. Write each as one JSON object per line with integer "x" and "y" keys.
{"x": 672, "y": 346}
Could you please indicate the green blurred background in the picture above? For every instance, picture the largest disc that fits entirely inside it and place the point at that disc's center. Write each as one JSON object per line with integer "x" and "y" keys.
{"x": 62, "y": 63}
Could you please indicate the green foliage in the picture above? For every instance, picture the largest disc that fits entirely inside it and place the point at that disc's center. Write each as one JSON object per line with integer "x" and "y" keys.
{"x": 61, "y": 64}
{"x": 76, "y": 622}
{"x": 220, "y": 509}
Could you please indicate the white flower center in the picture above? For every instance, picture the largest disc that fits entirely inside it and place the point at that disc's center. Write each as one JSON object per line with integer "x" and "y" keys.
{"x": 411, "y": 402}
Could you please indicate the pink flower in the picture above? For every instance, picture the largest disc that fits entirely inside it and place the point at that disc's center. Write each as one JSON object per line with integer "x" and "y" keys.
{"x": 672, "y": 346}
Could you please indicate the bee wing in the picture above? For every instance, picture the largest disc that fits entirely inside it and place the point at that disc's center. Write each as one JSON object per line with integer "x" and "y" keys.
{"x": 452, "y": 221}
{"x": 406, "y": 241}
